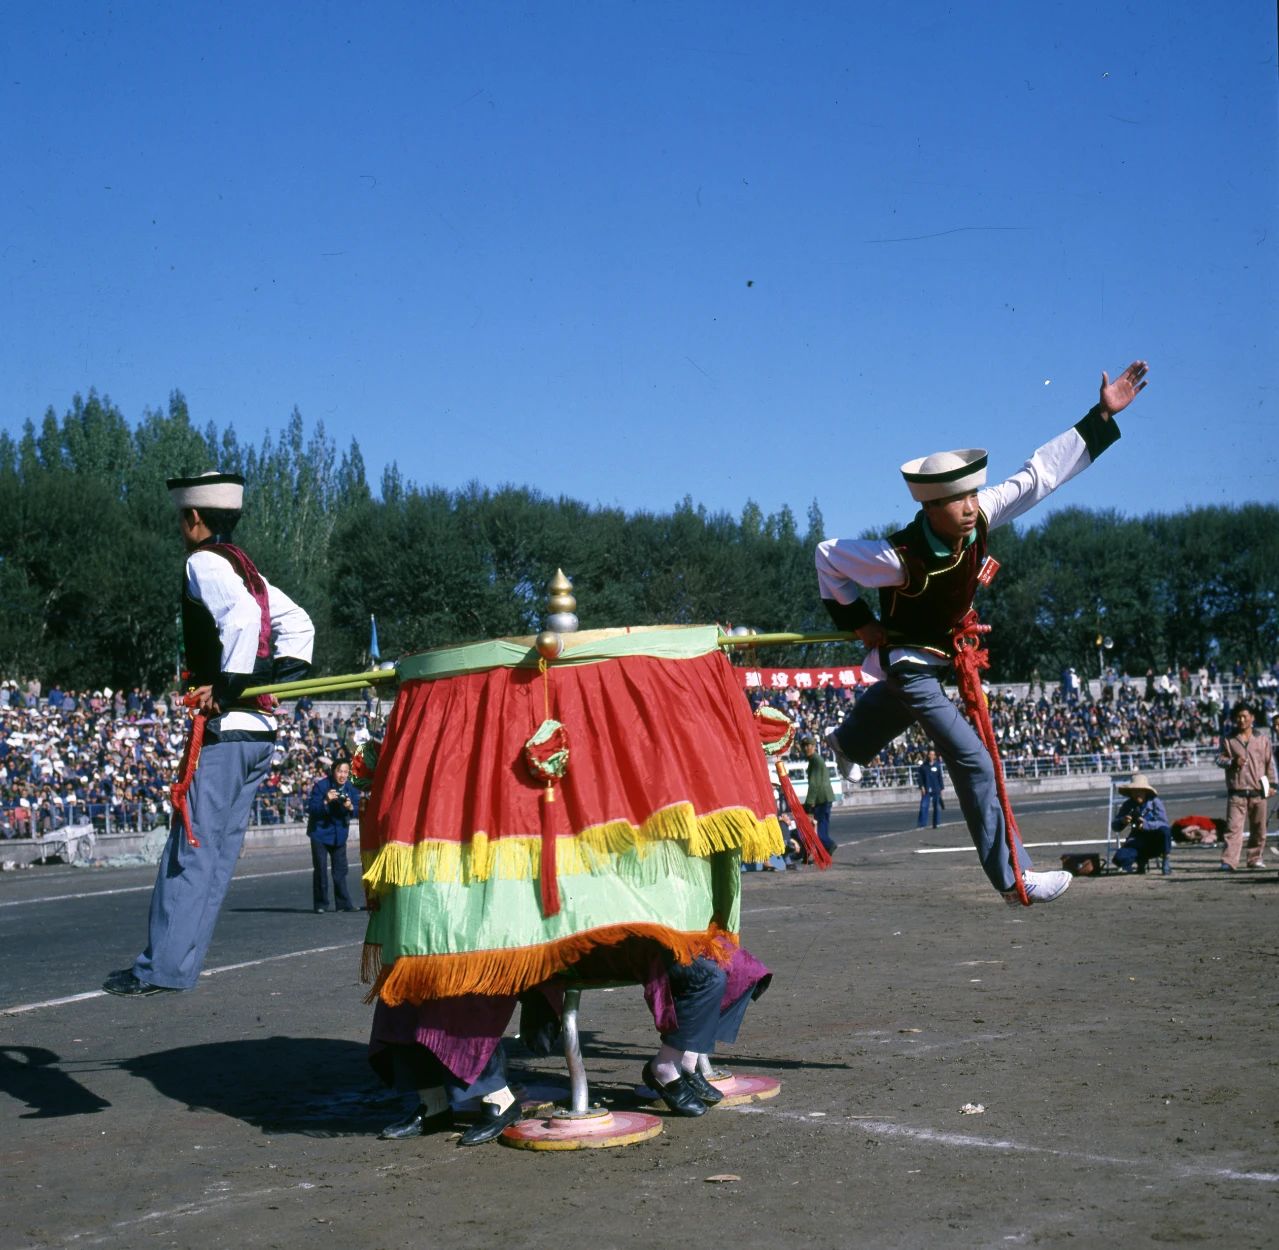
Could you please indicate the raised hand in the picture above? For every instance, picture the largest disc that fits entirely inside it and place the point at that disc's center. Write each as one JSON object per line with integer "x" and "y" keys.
{"x": 1117, "y": 395}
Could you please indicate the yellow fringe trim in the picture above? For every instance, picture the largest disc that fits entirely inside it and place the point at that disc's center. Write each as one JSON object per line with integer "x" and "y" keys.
{"x": 416, "y": 978}
{"x": 591, "y": 851}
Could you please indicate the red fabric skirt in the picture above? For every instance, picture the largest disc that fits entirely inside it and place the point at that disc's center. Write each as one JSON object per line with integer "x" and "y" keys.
{"x": 644, "y": 734}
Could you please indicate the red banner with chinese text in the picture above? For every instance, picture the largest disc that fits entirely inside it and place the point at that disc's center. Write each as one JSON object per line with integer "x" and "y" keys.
{"x": 775, "y": 679}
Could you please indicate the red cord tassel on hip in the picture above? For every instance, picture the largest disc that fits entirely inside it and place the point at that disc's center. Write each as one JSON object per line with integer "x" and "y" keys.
{"x": 186, "y": 771}
{"x": 970, "y": 658}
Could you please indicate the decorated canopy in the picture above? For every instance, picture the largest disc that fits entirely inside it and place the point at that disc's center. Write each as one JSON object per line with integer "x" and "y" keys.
{"x": 525, "y": 814}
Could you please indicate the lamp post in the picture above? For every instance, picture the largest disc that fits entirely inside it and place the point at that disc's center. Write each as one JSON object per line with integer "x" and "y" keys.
{"x": 1104, "y": 643}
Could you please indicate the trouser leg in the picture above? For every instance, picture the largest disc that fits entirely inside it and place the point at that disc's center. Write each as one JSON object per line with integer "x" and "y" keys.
{"x": 341, "y": 895}
{"x": 923, "y": 811}
{"x": 415, "y": 1067}
{"x": 698, "y": 990}
{"x": 319, "y": 874}
{"x": 970, "y": 768}
{"x": 875, "y": 720}
{"x": 1256, "y": 830}
{"x": 731, "y": 1017}
{"x": 821, "y": 822}
{"x": 193, "y": 880}
{"x": 1236, "y": 816}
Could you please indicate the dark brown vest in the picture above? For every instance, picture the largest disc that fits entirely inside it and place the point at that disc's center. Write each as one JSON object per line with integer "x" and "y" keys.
{"x": 938, "y": 593}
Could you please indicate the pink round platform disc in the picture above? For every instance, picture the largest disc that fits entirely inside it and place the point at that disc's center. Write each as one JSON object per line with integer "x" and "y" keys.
{"x": 738, "y": 1090}
{"x": 593, "y": 1131}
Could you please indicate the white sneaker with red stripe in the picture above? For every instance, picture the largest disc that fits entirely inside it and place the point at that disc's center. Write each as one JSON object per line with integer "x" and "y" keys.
{"x": 1041, "y": 887}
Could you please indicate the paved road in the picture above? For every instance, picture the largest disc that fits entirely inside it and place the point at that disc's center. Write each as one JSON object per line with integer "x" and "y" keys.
{"x": 90, "y": 921}
{"x": 1118, "y": 1041}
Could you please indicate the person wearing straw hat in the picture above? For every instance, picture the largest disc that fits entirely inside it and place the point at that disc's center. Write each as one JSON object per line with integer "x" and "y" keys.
{"x": 1149, "y": 833}
{"x": 927, "y": 575}
{"x": 238, "y": 630}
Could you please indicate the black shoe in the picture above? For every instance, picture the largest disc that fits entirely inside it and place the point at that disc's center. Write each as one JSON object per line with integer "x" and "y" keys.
{"x": 348, "y": 907}
{"x": 419, "y": 1124}
{"x": 127, "y": 985}
{"x": 678, "y": 1094}
{"x": 703, "y": 1088}
{"x": 491, "y": 1124}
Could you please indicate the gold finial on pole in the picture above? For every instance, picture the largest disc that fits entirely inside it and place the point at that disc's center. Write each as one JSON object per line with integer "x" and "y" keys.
{"x": 562, "y": 617}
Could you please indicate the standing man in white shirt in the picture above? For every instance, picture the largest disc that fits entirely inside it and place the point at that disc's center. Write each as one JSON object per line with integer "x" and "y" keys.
{"x": 927, "y": 575}
{"x": 238, "y": 631}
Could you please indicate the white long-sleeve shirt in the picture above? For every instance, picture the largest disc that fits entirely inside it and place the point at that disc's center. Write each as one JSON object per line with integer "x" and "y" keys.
{"x": 212, "y": 581}
{"x": 846, "y": 564}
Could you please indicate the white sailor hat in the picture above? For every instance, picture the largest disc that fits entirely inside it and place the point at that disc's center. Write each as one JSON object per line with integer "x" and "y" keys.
{"x": 946, "y": 473}
{"x": 222, "y": 491}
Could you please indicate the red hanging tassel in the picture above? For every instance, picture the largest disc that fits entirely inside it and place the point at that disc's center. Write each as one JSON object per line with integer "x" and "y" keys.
{"x": 186, "y": 773}
{"x": 969, "y": 658}
{"x": 550, "y": 875}
{"x": 813, "y": 847}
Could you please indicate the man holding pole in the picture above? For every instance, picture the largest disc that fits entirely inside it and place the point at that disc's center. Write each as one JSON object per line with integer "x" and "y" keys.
{"x": 238, "y": 631}
{"x": 927, "y": 575}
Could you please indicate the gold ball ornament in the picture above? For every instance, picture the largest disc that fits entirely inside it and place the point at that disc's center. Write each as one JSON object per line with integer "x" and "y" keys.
{"x": 548, "y": 644}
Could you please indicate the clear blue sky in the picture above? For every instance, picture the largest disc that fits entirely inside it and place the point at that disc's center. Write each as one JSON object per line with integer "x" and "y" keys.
{"x": 629, "y": 252}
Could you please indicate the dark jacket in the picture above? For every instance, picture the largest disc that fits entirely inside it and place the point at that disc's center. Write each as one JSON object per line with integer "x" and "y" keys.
{"x": 328, "y": 822}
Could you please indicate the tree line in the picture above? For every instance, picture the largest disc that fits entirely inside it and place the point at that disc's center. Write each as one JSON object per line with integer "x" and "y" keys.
{"x": 90, "y": 561}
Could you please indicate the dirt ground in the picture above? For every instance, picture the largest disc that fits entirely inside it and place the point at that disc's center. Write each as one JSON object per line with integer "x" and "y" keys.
{"x": 1121, "y": 1042}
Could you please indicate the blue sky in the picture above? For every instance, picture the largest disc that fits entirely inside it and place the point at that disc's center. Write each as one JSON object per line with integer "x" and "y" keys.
{"x": 633, "y": 252}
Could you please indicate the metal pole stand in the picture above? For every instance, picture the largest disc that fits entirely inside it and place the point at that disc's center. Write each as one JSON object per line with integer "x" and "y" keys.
{"x": 579, "y": 1126}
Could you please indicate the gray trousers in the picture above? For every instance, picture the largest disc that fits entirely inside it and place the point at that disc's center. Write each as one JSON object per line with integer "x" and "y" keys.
{"x": 193, "y": 880}
{"x": 912, "y": 695}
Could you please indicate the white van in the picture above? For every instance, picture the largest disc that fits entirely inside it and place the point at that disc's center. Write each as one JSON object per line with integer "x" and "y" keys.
{"x": 798, "y": 772}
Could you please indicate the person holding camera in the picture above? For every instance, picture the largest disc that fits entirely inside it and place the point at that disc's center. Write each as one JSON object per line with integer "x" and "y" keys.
{"x": 1149, "y": 834}
{"x": 329, "y": 808}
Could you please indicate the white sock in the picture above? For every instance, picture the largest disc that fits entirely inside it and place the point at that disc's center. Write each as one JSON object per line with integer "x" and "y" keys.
{"x": 666, "y": 1065}
{"x": 688, "y": 1061}
{"x": 433, "y": 1100}
{"x": 500, "y": 1098}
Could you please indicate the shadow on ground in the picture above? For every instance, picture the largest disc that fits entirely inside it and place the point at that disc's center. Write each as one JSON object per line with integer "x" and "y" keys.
{"x": 31, "y": 1074}
{"x": 321, "y": 1087}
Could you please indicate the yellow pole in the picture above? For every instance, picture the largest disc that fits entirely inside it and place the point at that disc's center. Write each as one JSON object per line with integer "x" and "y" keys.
{"x": 320, "y": 685}
{"x": 357, "y": 681}
{"x": 730, "y": 641}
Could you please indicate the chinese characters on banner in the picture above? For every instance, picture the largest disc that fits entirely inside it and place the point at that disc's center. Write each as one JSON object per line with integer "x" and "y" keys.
{"x": 802, "y": 678}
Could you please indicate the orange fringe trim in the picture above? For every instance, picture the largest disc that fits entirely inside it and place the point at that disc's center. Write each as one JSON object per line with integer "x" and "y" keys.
{"x": 416, "y": 978}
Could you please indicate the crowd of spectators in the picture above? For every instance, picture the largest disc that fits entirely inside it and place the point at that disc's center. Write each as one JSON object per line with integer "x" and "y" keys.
{"x": 1118, "y": 724}
{"x": 108, "y": 758}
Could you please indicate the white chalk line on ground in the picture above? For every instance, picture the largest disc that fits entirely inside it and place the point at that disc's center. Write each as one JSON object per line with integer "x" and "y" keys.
{"x": 137, "y": 889}
{"x": 208, "y": 972}
{"x": 211, "y": 1202}
{"x": 970, "y": 1141}
{"x": 951, "y": 850}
